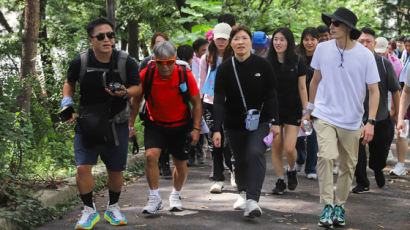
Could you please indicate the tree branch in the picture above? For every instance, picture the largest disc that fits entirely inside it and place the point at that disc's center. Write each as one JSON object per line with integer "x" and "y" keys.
{"x": 4, "y": 23}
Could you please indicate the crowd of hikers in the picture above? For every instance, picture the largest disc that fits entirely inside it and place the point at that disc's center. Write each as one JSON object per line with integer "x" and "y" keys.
{"x": 237, "y": 94}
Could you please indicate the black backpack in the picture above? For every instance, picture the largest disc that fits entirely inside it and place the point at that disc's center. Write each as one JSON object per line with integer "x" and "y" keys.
{"x": 149, "y": 77}
{"x": 94, "y": 120}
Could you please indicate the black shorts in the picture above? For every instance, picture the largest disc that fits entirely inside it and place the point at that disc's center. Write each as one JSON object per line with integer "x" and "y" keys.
{"x": 290, "y": 120}
{"x": 173, "y": 139}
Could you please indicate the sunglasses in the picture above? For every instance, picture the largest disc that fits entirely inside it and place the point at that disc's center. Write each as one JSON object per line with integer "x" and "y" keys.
{"x": 336, "y": 23}
{"x": 165, "y": 62}
{"x": 101, "y": 36}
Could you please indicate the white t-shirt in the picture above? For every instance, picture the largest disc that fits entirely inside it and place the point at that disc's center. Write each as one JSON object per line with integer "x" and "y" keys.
{"x": 342, "y": 90}
{"x": 407, "y": 75}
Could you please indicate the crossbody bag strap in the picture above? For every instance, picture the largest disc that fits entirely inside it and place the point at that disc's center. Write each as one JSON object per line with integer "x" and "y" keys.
{"x": 239, "y": 84}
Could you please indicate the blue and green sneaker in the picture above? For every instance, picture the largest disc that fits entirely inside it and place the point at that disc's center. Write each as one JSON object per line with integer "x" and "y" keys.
{"x": 326, "y": 219}
{"x": 114, "y": 216}
{"x": 89, "y": 217}
{"x": 339, "y": 216}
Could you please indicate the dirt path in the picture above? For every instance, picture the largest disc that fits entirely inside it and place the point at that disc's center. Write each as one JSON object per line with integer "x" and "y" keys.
{"x": 386, "y": 208}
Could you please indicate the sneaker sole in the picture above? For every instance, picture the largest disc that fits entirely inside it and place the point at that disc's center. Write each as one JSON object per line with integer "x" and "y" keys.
{"x": 176, "y": 209}
{"x": 277, "y": 193}
{"x": 92, "y": 224}
{"x": 325, "y": 225}
{"x": 255, "y": 213}
{"x": 216, "y": 191}
{"x": 107, "y": 218}
{"x": 148, "y": 212}
{"x": 339, "y": 224}
{"x": 361, "y": 192}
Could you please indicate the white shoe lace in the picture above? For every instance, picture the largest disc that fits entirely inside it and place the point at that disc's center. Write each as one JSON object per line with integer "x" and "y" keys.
{"x": 86, "y": 214}
{"x": 116, "y": 211}
{"x": 175, "y": 200}
{"x": 152, "y": 202}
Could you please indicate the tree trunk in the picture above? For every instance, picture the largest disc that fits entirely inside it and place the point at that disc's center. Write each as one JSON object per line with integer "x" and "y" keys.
{"x": 110, "y": 4}
{"x": 4, "y": 23}
{"x": 47, "y": 63}
{"x": 133, "y": 39}
{"x": 29, "y": 52}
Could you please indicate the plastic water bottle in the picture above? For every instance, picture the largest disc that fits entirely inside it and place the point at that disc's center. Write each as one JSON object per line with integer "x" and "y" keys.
{"x": 406, "y": 132}
{"x": 307, "y": 126}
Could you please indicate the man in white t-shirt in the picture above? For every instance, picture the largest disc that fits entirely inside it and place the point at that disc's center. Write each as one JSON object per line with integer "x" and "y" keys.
{"x": 343, "y": 70}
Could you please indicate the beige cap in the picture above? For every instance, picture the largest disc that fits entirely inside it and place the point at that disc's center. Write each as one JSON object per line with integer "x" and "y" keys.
{"x": 222, "y": 30}
{"x": 381, "y": 45}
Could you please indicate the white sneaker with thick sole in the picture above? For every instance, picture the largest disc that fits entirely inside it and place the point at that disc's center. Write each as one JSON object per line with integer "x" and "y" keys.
{"x": 233, "y": 181}
{"x": 175, "y": 204}
{"x": 240, "y": 203}
{"x": 114, "y": 216}
{"x": 154, "y": 204}
{"x": 217, "y": 187}
{"x": 89, "y": 217}
{"x": 252, "y": 209}
{"x": 398, "y": 171}
{"x": 312, "y": 176}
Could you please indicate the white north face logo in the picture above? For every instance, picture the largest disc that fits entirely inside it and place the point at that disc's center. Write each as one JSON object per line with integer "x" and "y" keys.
{"x": 257, "y": 74}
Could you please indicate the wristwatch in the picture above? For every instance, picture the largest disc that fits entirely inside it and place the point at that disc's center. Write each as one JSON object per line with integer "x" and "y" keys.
{"x": 371, "y": 121}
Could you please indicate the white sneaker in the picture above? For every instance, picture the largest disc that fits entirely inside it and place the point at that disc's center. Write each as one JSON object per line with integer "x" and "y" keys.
{"x": 298, "y": 167}
{"x": 240, "y": 203}
{"x": 335, "y": 169}
{"x": 114, "y": 216}
{"x": 390, "y": 157}
{"x": 175, "y": 204}
{"x": 252, "y": 209}
{"x": 217, "y": 187}
{"x": 89, "y": 217}
{"x": 153, "y": 205}
{"x": 398, "y": 171}
{"x": 312, "y": 176}
{"x": 233, "y": 181}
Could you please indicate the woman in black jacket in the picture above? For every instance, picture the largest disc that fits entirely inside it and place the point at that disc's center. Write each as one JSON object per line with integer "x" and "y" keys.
{"x": 256, "y": 90}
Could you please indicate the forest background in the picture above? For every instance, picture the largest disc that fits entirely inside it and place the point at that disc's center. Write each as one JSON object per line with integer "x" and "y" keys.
{"x": 38, "y": 39}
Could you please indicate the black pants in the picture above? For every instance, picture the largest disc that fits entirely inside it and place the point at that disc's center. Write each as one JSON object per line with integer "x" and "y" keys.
{"x": 250, "y": 164}
{"x": 378, "y": 149}
{"x": 218, "y": 154}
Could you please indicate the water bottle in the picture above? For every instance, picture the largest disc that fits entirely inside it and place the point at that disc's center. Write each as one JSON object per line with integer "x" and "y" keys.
{"x": 406, "y": 128}
{"x": 307, "y": 126}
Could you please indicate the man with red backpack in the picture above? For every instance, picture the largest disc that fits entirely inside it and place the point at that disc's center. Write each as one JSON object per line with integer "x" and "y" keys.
{"x": 169, "y": 121}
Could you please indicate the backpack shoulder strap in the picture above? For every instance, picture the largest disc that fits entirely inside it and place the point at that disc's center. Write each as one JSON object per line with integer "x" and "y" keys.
{"x": 149, "y": 78}
{"x": 84, "y": 63}
{"x": 121, "y": 61}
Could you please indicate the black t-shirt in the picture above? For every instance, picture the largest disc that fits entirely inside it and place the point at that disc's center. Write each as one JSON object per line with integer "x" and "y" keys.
{"x": 288, "y": 89}
{"x": 258, "y": 85}
{"x": 92, "y": 90}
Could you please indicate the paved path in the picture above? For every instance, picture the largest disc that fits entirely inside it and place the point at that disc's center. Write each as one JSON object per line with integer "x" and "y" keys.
{"x": 386, "y": 208}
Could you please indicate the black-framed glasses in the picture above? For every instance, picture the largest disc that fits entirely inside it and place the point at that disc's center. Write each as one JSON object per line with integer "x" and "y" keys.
{"x": 101, "y": 36}
{"x": 336, "y": 23}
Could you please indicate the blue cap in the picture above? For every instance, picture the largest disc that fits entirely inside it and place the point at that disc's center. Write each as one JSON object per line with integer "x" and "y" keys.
{"x": 260, "y": 41}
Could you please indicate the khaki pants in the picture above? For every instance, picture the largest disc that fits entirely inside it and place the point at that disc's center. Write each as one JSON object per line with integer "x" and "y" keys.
{"x": 336, "y": 143}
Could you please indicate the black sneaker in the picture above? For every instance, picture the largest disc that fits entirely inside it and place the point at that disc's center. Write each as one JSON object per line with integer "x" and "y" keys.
{"x": 280, "y": 187}
{"x": 360, "y": 189}
{"x": 292, "y": 180}
{"x": 379, "y": 178}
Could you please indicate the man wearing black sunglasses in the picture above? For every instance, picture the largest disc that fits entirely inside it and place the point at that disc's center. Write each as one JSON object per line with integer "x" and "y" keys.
{"x": 102, "y": 127}
{"x": 343, "y": 70}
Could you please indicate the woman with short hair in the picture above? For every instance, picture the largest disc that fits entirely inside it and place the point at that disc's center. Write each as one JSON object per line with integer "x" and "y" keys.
{"x": 245, "y": 84}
